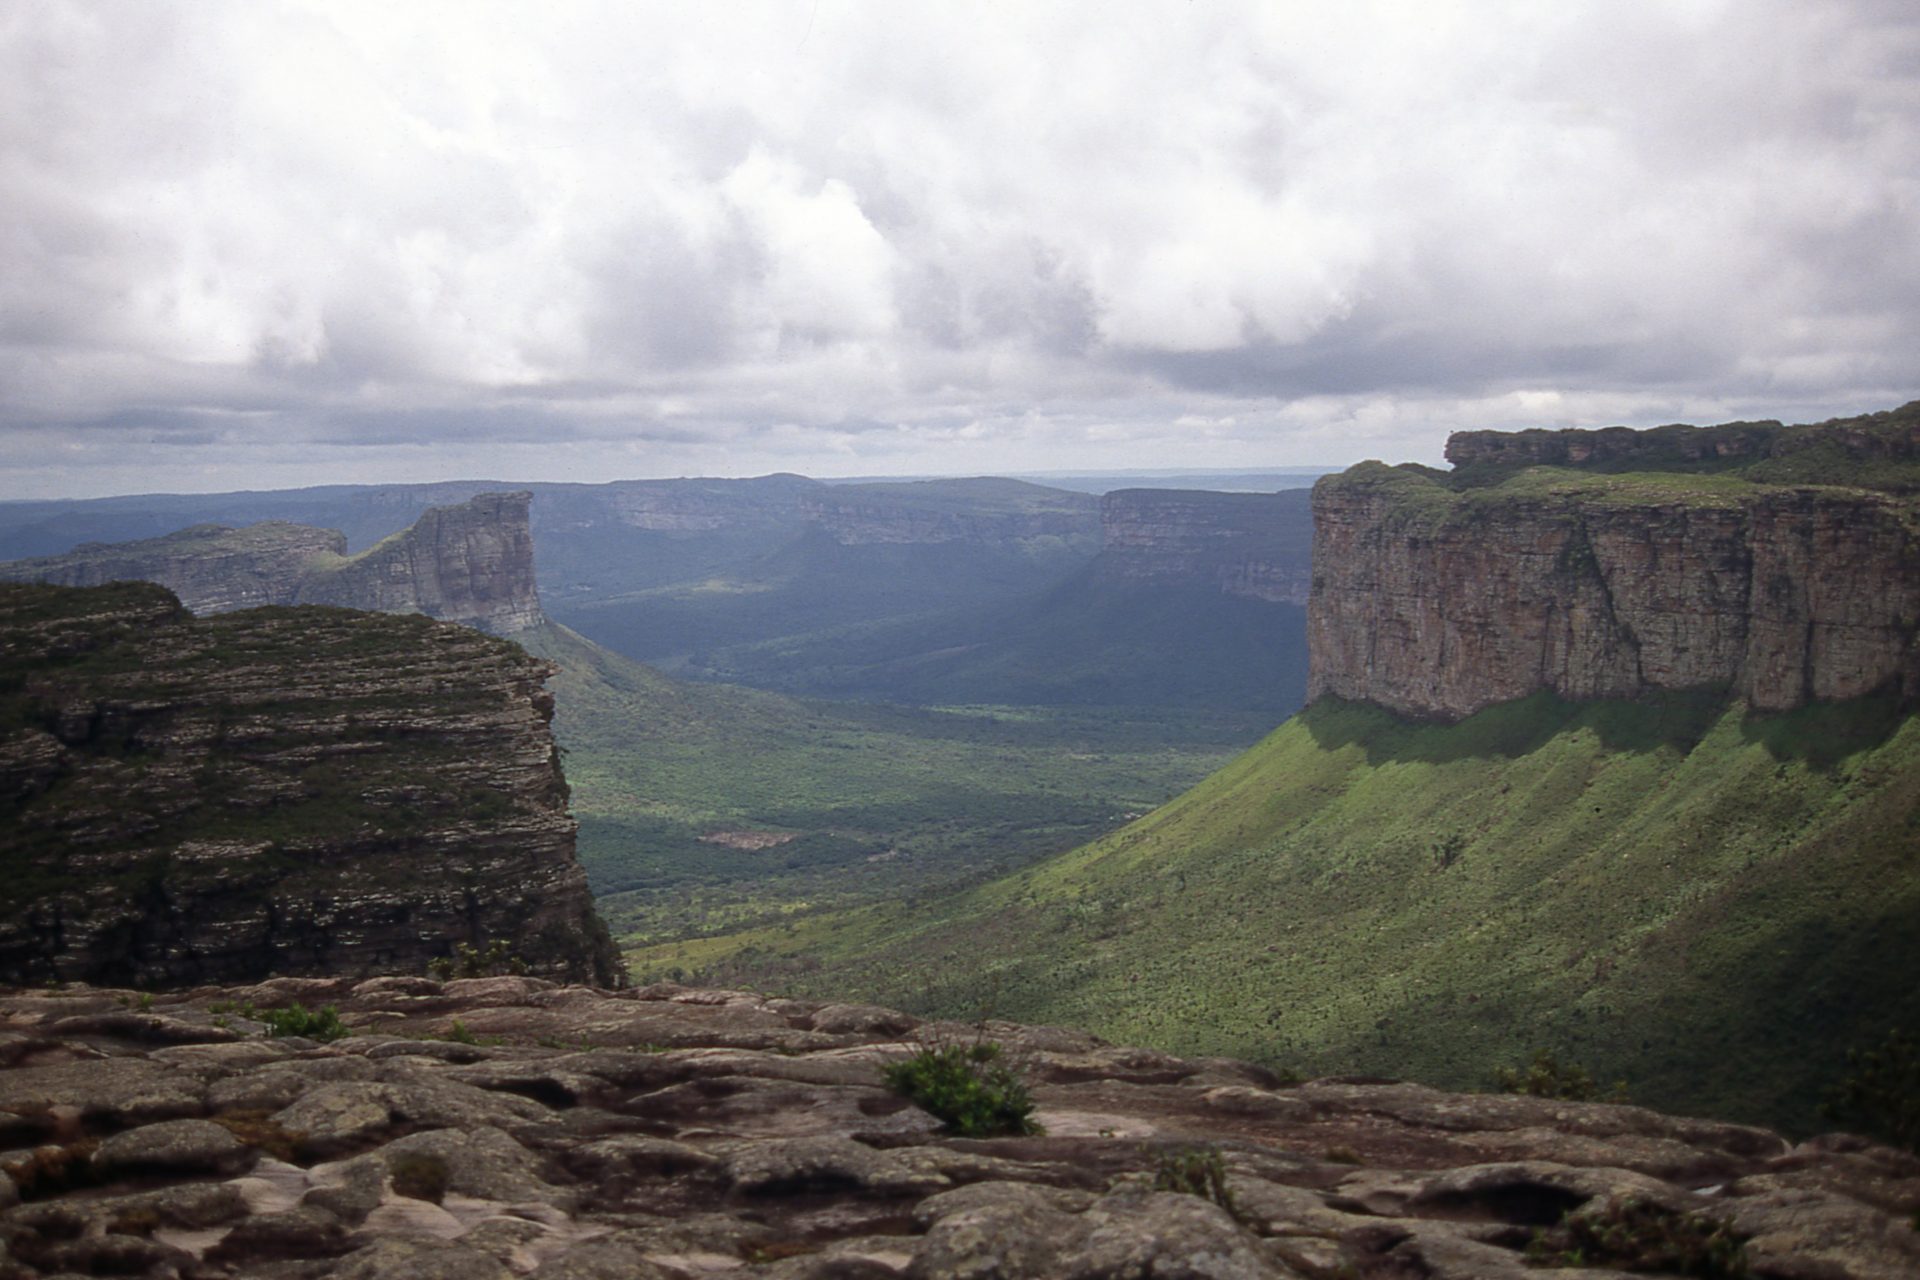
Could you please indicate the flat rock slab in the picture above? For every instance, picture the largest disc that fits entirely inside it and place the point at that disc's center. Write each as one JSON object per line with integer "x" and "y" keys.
{"x": 673, "y": 1133}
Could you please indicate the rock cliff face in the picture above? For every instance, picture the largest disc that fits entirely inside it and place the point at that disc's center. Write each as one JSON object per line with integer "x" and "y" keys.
{"x": 279, "y": 790}
{"x": 673, "y": 1133}
{"x": 471, "y": 563}
{"x": 1256, "y": 545}
{"x": 1436, "y": 600}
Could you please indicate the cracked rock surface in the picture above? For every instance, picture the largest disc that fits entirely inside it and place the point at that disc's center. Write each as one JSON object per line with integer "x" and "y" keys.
{"x": 572, "y": 1132}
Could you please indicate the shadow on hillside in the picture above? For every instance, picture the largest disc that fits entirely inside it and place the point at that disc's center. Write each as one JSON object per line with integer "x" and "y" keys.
{"x": 1826, "y": 733}
{"x": 1820, "y": 736}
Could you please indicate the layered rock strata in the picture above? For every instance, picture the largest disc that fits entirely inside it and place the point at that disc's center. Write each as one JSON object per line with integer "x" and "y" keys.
{"x": 1435, "y": 600}
{"x": 280, "y": 790}
{"x": 500, "y": 1127}
{"x": 1256, "y": 545}
{"x": 471, "y": 563}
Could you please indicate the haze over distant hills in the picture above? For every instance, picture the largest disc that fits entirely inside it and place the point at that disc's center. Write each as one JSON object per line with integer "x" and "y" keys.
{"x": 978, "y": 590}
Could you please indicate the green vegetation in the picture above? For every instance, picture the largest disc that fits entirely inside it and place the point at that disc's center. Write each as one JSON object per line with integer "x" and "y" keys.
{"x": 1881, "y": 1093}
{"x": 468, "y": 961}
{"x": 1709, "y": 904}
{"x": 322, "y": 1024}
{"x": 1195, "y": 1171}
{"x": 1637, "y": 1235}
{"x": 707, "y": 808}
{"x": 966, "y": 1087}
{"x": 1547, "y": 1077}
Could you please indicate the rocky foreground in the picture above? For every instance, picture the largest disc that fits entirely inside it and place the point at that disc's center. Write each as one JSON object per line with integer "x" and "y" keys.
{"x": 496, "y": 1127}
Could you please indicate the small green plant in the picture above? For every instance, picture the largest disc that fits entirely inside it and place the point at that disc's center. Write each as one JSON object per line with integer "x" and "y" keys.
{"x": 1548, "y": 1077}
{"x": 321, "y": 1024}
{"x": 1881, "y": 1096}
{"x": 1637, "y": 1235}
{"x": 968, "y": 1088}
{"x": 468, "y": 961}
{"x": 1195, "y": 1171}
{"x": 1341, "y": 1155}
{"x": 459, "y": 1034}
{"x": 419, "y": 1177}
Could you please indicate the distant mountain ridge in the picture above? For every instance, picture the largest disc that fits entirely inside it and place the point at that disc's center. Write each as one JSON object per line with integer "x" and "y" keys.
{"x": 471, "y": 564}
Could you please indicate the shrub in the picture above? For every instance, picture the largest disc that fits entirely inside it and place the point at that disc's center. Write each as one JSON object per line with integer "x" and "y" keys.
{"x": 468, "y": 961}
{"x": 321, "y": 1024}
{"x": 1635, "y": 1235}
{"x": 966, "y": 1087}
{"x": 1882, "y": 1095}
{"x": 1547, "y": 1077}
{"x": 1195, "y": 1171}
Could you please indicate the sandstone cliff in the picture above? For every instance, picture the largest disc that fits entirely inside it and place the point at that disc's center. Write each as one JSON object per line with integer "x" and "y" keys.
{"x": 471, "y": 563}
{"x": 1256, "y": 545}
{"x": 1437, "y": 595}
{"x": 672, "y": 1133}
{"x": 279, "y": 790}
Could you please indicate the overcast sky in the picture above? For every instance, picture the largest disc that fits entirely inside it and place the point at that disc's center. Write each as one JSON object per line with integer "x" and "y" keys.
{"x": 260, "y": 244}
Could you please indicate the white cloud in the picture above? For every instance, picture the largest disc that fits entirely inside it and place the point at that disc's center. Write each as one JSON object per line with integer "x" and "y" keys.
{"x": 1047, "y": 231}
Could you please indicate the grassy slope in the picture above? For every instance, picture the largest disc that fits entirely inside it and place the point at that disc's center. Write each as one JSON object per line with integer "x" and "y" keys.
{"x": 882, "y": 800}
{"x": 1677, "y": 894}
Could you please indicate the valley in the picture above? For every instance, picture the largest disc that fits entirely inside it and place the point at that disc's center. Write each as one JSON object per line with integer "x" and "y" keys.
{"x": 867, "y": 802}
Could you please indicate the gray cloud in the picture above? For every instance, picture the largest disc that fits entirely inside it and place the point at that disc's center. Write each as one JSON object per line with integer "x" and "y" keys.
{"x": 252, "y": 243}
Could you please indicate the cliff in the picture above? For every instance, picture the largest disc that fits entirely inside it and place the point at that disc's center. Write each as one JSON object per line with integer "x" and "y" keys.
{"x": 1438, "y": 594}
{"x": 471, "y": 563}
{"x": 672, "y": 1133}
{"x": 274, "y": 791}
{"x": 1256, "y": 545}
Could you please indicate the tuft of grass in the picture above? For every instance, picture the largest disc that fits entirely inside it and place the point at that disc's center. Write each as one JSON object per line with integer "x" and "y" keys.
{"x": 1636, "y": 1235}
{"x": 966, "y": 1087}
{"x": 322, "y": 1024}
{"x": 1196, "y": 1171}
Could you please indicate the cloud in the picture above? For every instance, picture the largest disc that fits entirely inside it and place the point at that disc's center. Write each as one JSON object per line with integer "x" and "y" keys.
{"x": 450, "y": 239}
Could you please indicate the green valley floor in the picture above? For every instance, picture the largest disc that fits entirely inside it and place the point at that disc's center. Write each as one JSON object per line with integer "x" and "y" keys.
{"x": 1707, "y": 904}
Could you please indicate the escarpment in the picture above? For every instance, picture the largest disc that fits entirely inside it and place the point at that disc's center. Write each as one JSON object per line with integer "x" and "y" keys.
{"x": 470, "y": 563}
{"x": 1437, "y": 595}
{"x": 1255, "y": 545}
{"x": 283, "y": 790}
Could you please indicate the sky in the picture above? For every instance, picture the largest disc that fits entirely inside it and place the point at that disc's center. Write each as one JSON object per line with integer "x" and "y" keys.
{"x": 258, "y": 244}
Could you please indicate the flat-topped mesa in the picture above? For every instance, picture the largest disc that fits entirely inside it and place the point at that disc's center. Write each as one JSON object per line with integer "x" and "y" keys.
{"x": 275, "y": 791}
{"x": 1797, "y": 453}
{"x": 471, "y": 563}
{"x": 1437, "y": 595}
{"x": 1244, "y": 544}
